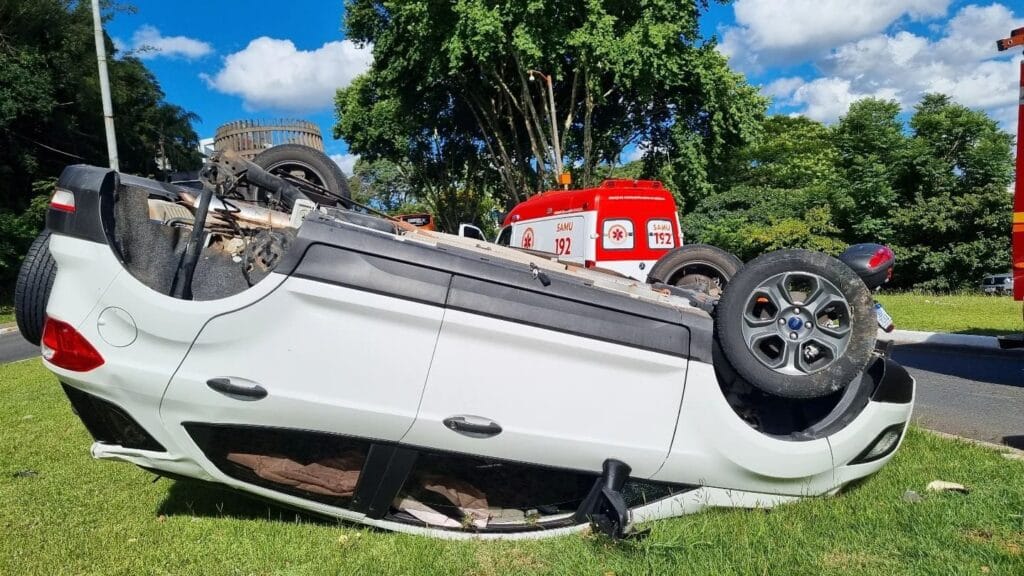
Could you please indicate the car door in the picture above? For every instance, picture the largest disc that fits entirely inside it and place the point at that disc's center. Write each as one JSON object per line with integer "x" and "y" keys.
{"x": 557, "y": 375}
{"x": 342, "y": 346}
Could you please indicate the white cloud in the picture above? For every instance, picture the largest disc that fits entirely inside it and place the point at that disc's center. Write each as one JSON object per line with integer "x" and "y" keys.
{"x": 148, "y": 43}
{"x": 962, "y": 63}
{"x": 783, "y": 88}
{"x": 272, "y": 73}
{"x": 772, "y": 31}
{"x": 346, "y": 162}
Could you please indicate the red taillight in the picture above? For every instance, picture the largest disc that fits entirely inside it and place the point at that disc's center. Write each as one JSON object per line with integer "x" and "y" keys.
{"x": 63, "y": 200}
{"x": 880, "y": 257}
{"x": 65, "y": 348}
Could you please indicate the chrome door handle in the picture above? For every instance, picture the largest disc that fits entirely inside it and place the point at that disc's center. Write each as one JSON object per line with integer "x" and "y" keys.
{"x": 241, "y": 391}
{"x": 472, "y": 426}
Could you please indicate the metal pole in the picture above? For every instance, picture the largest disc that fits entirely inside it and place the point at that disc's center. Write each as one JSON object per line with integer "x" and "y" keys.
{"x": 108, "y": 108}
{"x": 1018, "y": 200}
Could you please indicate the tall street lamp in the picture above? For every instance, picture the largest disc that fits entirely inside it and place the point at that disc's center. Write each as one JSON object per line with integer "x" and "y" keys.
{"x": 108, "y": 108}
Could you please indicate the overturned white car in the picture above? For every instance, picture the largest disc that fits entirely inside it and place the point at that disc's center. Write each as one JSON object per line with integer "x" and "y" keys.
{"x": 289, "y": 347}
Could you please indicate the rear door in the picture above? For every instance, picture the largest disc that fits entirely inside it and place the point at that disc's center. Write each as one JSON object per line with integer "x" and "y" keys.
{"x": 343, "y": 346}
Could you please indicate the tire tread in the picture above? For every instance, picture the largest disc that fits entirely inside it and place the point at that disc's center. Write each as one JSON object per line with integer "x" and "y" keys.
{"x": 32, "y": 289}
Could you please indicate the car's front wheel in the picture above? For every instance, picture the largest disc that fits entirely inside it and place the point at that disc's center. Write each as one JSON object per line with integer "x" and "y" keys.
{"x": 796, "y": 324}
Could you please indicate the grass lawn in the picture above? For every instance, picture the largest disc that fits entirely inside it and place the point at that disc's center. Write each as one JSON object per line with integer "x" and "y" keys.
{"x": 73, "y": 515}
{"x": 6, "y": 313}
{"x": 962, "y": 313}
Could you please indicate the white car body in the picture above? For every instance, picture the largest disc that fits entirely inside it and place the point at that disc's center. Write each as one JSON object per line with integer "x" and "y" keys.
{"x": 350, "y": 340}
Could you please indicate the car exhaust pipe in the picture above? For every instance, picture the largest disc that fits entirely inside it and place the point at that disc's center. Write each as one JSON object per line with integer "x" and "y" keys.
{"x": 242, "y": 211}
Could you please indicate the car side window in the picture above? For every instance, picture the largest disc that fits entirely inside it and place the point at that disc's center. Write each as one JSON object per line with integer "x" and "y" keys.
{"x": 504, "y": 237}
{"x": 617, "y": 234}
{"x": 660, "y": 235}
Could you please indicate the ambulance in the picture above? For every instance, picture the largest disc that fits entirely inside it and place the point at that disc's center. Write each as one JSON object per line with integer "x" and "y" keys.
{"x": 621, "y": 225}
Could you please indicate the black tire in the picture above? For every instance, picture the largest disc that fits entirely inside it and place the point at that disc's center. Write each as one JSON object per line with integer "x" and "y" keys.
{"x": 308, "y": 164}
{"x": 32, "y": 291}
{"x": 700, "y": 267}
{"x": 835, "y": 326}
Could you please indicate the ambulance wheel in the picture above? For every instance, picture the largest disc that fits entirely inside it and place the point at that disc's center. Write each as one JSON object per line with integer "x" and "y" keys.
{"x": 700, "y": 267}
{"x": 796, "y": 324}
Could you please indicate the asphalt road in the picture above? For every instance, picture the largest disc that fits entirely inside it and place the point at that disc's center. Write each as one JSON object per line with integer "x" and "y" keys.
{"x": 972, "y": 393}
{"x": 977, "y": 394}
{"x": 14, "y": 347}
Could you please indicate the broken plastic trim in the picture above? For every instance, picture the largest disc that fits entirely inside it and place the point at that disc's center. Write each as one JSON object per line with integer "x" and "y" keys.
{"x": 605, "y": 506}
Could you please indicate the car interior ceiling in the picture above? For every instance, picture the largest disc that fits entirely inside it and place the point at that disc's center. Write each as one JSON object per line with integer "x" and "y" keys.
{"x": 152, "y": 248}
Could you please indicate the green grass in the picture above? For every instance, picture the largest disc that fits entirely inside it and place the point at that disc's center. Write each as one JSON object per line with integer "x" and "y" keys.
{"x": 959, "y": 313}
{"x": 80, "y": 516}
{"x": 6, "y": 313}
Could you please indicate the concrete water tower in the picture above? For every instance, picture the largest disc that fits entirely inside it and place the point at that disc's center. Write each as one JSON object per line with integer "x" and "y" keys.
{"x": 250, "y": 137}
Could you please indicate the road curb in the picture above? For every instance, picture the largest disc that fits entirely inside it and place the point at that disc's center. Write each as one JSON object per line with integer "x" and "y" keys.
{"x": 941, "y": 339}
{"x": 8, "y": 329}
{"x": 1001, "y": 448}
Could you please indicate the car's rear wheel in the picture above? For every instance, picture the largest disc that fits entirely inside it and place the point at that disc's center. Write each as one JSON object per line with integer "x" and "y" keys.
{"x": 35, "y": 279}
{"x": 700, "y": 267}
{"x": 302, "y": 163}
{"x": 796, "y": 324}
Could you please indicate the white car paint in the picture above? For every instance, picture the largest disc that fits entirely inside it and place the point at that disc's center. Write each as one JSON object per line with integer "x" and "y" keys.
{"x": 345, "y": 361}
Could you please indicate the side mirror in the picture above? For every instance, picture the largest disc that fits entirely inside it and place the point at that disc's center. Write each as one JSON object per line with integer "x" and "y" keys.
{"x": 470, "y": 231}
{"x": 872, "y": 262}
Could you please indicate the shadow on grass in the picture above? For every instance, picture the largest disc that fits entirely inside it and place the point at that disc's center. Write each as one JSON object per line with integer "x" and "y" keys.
{"x": 204, "y": 499}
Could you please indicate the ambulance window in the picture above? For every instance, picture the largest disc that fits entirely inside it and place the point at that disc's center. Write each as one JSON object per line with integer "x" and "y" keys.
{"x": 504, "y": 237}
{"x": 660, "y": 235}
{"x": 618, "y": 234}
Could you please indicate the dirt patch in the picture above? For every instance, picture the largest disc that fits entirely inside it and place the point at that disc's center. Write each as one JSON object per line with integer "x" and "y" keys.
{"x": 852, "y": 561}
{"x": 493, "y": 560}
{"x": 1012, "y": 544}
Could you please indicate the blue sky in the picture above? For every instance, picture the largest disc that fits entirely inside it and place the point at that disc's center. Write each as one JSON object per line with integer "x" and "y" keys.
{"x": 234, "y": 59}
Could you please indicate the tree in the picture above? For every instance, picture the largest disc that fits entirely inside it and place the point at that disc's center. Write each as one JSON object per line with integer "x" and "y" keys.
{"x": 779, "y": 193}
{"x": 51, "y": 114}
{"x": 872, "y": 148}
{"x": 936, "y": 191}
{"x": 458, "y": 80}
{"x": 953, "y": 223}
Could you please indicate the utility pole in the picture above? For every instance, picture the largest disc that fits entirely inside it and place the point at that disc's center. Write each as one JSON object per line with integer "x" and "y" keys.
{"x": 108, "y": 107}
{"x": 554, "y": 123}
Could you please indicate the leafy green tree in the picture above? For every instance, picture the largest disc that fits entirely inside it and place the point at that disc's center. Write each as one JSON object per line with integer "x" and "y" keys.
{"x": 872, "y": 147}
{"x": 455, "y": 80}
{"x": 51, "y": 114}
{"x": 953, "y": 223}
{"x": 780, "y": 193}
{"x": 936, "y": 191}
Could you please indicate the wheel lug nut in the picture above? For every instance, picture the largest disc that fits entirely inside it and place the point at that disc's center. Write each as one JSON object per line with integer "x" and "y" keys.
{"x": 793, "y": 335}
{"x": 796, "y": 310}
{"x": 807, "y": 325}
{"x": 782, "y": 320}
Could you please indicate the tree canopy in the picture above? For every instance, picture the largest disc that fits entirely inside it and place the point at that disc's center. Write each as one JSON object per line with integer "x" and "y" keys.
{"x": 459, "y": 90}
{"x": 934, "y": 188}
{"x": 51, "y": 114}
